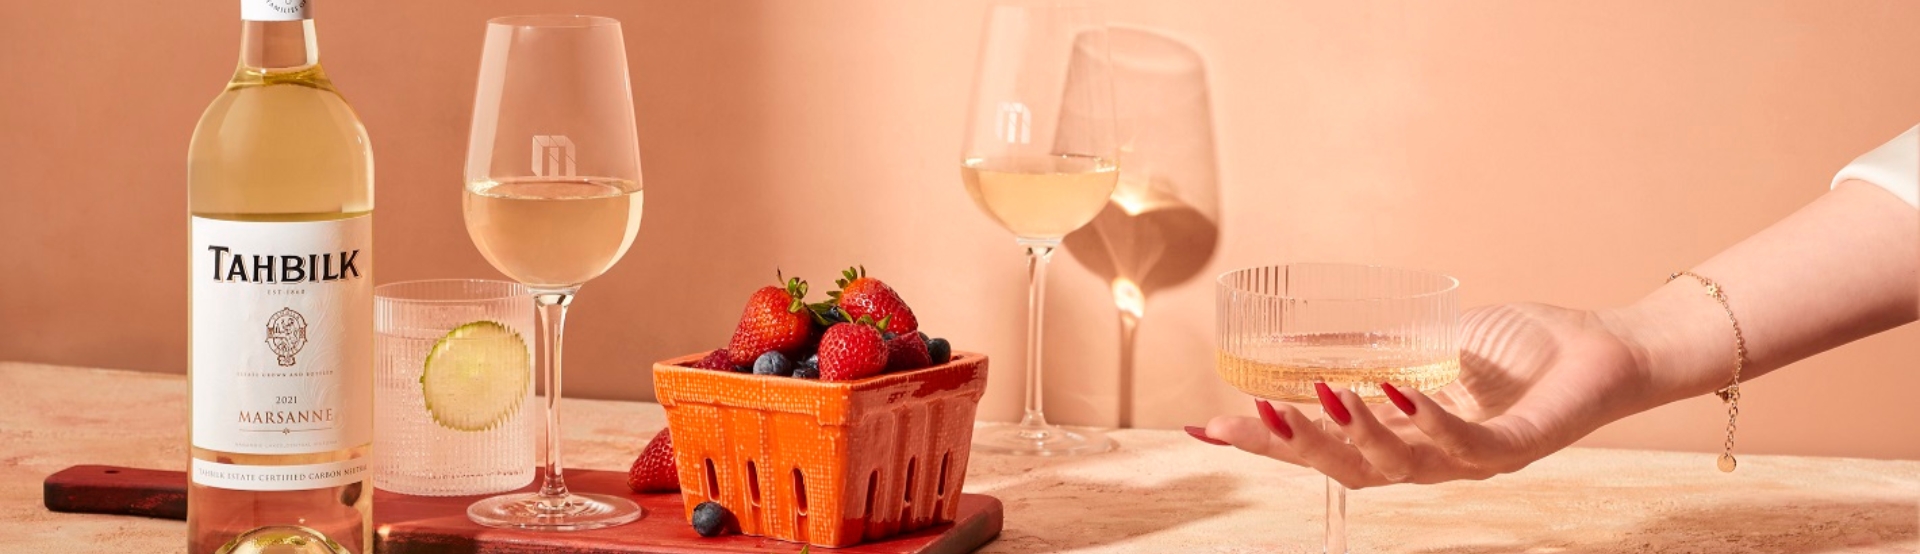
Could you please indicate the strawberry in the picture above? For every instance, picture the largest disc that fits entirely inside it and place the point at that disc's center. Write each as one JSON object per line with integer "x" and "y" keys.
{"x": 850, "y": 351}
{"x": 654, "y": 470}
{"x": 862, "y": 296}
{"x": 907, "y": 351}
{"x": 775, "y": 319}
{"x": 714, "y": 360}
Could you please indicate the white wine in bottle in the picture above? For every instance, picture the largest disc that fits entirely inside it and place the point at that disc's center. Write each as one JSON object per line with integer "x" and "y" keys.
{"x": 280, "y": 179}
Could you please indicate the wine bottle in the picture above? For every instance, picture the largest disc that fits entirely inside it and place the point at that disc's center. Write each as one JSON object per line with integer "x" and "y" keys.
{"x": 280, "y": 190}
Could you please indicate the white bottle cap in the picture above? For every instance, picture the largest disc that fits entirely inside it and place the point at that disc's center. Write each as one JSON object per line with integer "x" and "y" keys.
{"x": 274, "y": 10}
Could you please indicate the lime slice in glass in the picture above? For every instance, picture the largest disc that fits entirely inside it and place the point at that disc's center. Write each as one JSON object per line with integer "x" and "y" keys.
{"x": 476, "y": 376}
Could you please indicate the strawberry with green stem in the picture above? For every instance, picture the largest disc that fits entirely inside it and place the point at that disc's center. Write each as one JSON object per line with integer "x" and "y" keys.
{"x": 862, "y": 296}
{"x": 776, "y": 318}
{"x": 850, "y": 351}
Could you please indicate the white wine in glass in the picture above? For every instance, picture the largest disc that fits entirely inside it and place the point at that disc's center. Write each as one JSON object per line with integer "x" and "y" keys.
{"x": 553, "y": 198}
{"x": 553, "y": 232}
{"x": 1043, "y": 197}
{"x": 1039, "y": 159}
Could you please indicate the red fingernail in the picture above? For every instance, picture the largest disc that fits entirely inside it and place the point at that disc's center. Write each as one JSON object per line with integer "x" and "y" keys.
{"x": 1332, "y": 404}
{"x": 1200, "y": 434}
{"x": 1399, "y": 400}
{"x": 1272, "y": 419}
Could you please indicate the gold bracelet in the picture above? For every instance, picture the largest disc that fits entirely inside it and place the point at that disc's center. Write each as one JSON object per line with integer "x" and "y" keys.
{"x": 1731, "y": 393}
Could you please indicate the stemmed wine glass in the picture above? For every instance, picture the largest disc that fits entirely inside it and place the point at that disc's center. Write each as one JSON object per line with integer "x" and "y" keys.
{"x": 552, "y": 200}
{"x": 1282, "y": 329}
{"x": 1041, "y": 170}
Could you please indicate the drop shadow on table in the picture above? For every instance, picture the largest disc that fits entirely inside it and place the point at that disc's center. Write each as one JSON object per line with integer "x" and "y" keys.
{"x": 1103, "y": 519}
{"x": 1806, "y": 527}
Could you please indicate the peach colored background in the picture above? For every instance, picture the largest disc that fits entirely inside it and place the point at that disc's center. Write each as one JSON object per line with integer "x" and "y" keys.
{"x": 1562, "y": 152}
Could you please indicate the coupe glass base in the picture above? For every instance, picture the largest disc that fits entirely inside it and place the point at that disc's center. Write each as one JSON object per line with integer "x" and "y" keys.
{"x": 531, "y": 511}
{"x": 1039, "y": 440}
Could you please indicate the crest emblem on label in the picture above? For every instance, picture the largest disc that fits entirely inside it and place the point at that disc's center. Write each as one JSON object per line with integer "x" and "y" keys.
{"x": 286, "y": 334}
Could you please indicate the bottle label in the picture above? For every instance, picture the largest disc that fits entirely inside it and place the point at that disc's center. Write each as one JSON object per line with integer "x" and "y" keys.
{"x": 278, "y": 478}
{"x": 282, "y": 335}
{"x": 274, "y": 10}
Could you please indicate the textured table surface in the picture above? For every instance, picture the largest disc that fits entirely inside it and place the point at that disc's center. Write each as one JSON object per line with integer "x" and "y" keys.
{"x": 1161, "y": 492}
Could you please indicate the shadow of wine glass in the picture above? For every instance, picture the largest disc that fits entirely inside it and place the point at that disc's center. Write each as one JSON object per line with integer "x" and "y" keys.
{"x": 1781, "y": 528}
{"x": 1161, "y": 226}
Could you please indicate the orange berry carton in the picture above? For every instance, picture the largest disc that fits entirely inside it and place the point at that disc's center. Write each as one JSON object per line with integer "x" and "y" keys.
{"x": 829, "y": 463}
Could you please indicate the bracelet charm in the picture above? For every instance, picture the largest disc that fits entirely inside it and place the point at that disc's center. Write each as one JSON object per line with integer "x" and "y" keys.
{"x": 1731, "y": 393}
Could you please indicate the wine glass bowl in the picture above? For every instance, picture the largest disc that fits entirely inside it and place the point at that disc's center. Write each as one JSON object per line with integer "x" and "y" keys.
{"x": 1282, "y": 329}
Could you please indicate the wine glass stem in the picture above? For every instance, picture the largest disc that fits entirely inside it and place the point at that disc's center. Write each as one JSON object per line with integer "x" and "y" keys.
{"x": 1336, "y": 504}
{"x": 1039, "y": 253}
{"x": 1129, "y": 330}
{"x": 551, "y": 308}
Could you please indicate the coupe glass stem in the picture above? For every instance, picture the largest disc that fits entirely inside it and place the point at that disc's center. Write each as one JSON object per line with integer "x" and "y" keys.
{"x": 1336, "y": 504}
{"x": 551, "y": 309}
{"x": 1033, "y": 425}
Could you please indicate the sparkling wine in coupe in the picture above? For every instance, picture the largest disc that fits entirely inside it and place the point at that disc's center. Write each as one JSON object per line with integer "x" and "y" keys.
{"x": 1285, "y": 370}
{"x": 1040, "y": 197}
{"x": 550, "y": 232}
{"x": 280, "y": 178}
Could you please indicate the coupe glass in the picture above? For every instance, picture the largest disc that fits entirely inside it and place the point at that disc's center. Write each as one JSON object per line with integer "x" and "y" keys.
{"x": 1283, "y": 328}
{"x": 1041, "y": 170}
{"x": 552, "y": 200}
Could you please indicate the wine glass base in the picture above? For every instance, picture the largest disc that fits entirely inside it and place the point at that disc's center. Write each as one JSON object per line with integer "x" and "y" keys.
{"x": 532, "y": 511}
{"x": 1040, "y": 440}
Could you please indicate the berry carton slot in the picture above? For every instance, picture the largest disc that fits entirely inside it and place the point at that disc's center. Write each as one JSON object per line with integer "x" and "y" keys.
{"x": 829, "y": 463}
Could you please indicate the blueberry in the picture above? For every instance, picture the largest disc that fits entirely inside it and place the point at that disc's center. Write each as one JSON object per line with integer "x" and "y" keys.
{"x": 743, "y": 369}
{"x": 772, "y": 363}
{"x": 923, "y": 337}
{"x": 809, "y": 369}
{"x": 939, "y": 351}
{"x": 710, "y": 519}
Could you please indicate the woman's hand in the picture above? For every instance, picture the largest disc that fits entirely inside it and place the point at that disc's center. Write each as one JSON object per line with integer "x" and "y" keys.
{"x": 1533, "y": 379}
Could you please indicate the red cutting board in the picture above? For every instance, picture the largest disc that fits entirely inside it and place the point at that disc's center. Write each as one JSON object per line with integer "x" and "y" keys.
{"x": 438, "y": 524}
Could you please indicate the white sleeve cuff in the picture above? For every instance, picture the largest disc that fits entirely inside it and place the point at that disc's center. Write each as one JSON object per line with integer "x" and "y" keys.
{"x": 1894, "y": 166}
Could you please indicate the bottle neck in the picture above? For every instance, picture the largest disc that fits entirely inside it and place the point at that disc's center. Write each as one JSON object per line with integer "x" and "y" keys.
{"x": 278, "y": 45}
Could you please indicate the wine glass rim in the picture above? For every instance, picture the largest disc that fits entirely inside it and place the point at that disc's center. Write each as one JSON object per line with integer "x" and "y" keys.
{"x": 503, "y": 290}
{"x": 553, "y": 21}
{"x": 1447, "y": 284}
